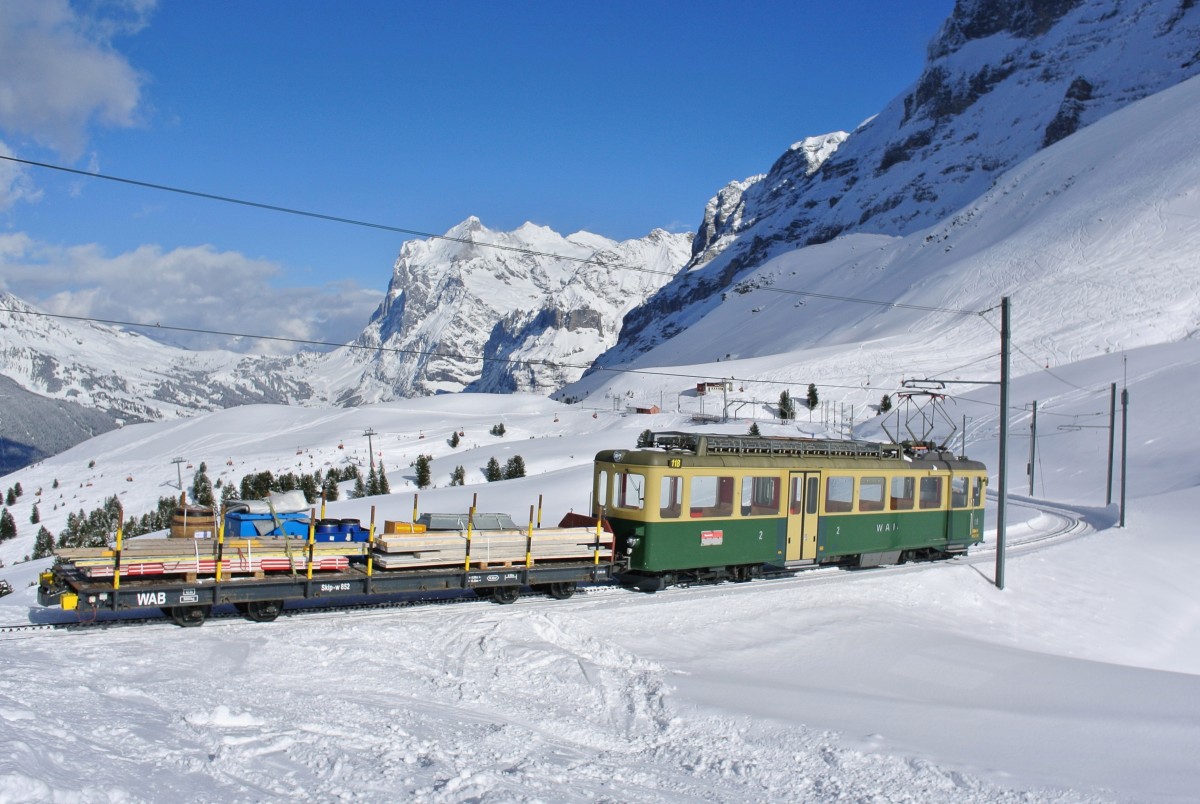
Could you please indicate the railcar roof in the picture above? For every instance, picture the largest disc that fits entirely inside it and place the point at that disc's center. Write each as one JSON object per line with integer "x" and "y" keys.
{"x": 718, "y": 450}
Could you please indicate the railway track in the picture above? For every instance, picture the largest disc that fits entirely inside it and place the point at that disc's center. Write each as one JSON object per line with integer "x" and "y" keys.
{"x": 1054, "y": 525}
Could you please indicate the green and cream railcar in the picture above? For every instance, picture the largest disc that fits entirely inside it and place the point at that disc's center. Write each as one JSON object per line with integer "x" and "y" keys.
{"x": 704, "y": 505}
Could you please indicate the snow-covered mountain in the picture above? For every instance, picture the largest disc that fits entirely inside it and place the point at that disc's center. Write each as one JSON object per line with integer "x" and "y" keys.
{"x": 528, "y": 311}
{"x": 1003, "y": 80}
{"x": 530, "y": 315}
{"x": 128, "y": 376}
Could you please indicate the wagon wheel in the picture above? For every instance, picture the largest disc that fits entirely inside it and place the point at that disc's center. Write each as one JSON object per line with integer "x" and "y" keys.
{"x": 561, "y": 591}
{"x": 189, "y": 616}
{"x": 263, "y": 611}
{"x": 506, "y": 594}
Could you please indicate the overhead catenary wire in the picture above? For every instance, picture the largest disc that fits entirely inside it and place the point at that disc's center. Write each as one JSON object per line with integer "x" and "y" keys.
{"x": 593, "y": 259}
{"x": 399, "y": 350}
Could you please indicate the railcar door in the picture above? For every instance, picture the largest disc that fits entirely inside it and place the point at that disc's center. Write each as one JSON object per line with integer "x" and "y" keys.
{"x": 803, "y": 495}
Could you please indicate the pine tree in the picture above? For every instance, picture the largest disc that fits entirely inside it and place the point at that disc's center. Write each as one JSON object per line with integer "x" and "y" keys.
{"x": 515, "y": 467}
{"x": 424, "y": 475}
{"x": 360, "y": 490}
{"x": 330, "y": 487}
{"x": 311, "y": 488}
{"x": 43, "y": 543}
{"x": 372, "y": 487}
{"x": 812, "y": 398}
{"x": 498, "y": 430}
{"x": 454, "y": 439}
{"x": 382, "y": 481}
{"x": 645, "y": 439}
{"x": 10, "y": 498}
{"x": 754, "y": 429}
{"x": 492, "y": 472}
{"x": 787, "y": 408}
{"x": 885, "y": 404}
{"x": 458, "y": 477}
{"x": 202, "y": 488}
{"x": 34, "y": 516}
{"x": 8, "y": 526}
{"x": 17, "y": 488}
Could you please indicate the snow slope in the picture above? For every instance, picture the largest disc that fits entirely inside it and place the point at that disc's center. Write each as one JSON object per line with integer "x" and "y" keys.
{"x": 1079, "y": 682}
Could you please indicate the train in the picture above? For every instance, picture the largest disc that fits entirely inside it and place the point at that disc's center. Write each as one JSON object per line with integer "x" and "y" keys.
{"x": 680, "y": 508}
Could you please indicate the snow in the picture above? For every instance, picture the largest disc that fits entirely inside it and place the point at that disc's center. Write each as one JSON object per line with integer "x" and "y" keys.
{"x": 1079, "y": 681}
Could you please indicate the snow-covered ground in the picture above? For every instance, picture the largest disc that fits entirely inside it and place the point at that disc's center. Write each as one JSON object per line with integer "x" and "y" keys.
{"x": 1079, "y": 681}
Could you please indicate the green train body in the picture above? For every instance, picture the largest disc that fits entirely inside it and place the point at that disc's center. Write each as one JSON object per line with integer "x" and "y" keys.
{"x": 706, "y": 505}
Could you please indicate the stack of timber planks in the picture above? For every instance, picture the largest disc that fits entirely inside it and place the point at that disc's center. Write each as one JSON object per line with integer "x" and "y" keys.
{"x": 489, "y": 548}
{"x": 198, "y": 557}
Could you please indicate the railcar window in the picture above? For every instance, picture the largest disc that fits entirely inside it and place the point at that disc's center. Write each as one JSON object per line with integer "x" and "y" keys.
{"x": 870, "y": 493}
{"x": 630, "y": 490}
{"x": 977, "y": 493}
{"x": 711, "y": 496}
{"x": 814, "y": 489}
{"x": 760, "y": 496}
{"x": 959, "y": 486}
{"x": 931, "y": 492}
{"x": 797, "y": 497}
{"x": 670, "y": 497}
{"x": 839, "y": 494}
{"x": 602, "y": 488}
{"x": 903, "y": 492}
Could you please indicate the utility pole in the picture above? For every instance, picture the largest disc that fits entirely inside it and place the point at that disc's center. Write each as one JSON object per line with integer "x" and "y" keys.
{"x": 1124, "y": 442}
{"x": 1032, "y": 447}
{"x": 178, "y": 472}
{"x": 963, "y": 451}
{"x": 1112, "y": 429}
{"x": 370, "y": 449}
{"x": 1002, "y": 495}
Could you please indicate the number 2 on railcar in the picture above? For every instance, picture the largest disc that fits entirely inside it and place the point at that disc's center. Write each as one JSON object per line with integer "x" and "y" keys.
{"x": 706, "y": 506}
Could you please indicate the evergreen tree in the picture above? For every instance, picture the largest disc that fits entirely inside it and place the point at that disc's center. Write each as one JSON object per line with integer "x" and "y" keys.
{"x": 228, "y": 493}
{"x": 43, "y": 543}
{"x": 372, "y": 487}
{"x": 754, "y": 429}
{"x": 812, "y": 399}
{"x": 17, "y": 488}
{"x": 34, "y": 516}
{"x": 311, "y": 488}
{"x": 787, "y": 408}
{"x": 10, "y": 498}
{"x": 330, "y": 487}
{"x": 54, "y": 485}
{"x": 492, "y": 472}
{"x": 454, "y": 439}
{"x": 458, "y": 477}
{"x": 645, "y": 439}
{"x": 202, "y": 487}
{"x": 424, "y": 475}
{"x": 515, "y": 467}
{"x": 360, "y": 490}
{"x": 382, "y": 482}
{"x": 8, "y": 526}
{"x": 885, "y": 404}
{"x": 498, "y": 430}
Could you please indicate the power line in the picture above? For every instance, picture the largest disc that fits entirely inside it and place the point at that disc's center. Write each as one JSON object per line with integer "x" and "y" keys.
{"x": 593, "y": 259}
{"x": 332, "y": 218}
{"x": 417, "y": 352}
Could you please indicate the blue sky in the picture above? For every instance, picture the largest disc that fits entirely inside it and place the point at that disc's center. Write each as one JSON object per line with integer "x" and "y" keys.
{"x": 615, "y": 117}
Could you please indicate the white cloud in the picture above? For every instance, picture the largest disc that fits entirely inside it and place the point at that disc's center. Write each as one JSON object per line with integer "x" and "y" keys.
{"x": 59, "y": 73}
{"x": 195, "y": 287}
{"x": 14, "y": 183}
